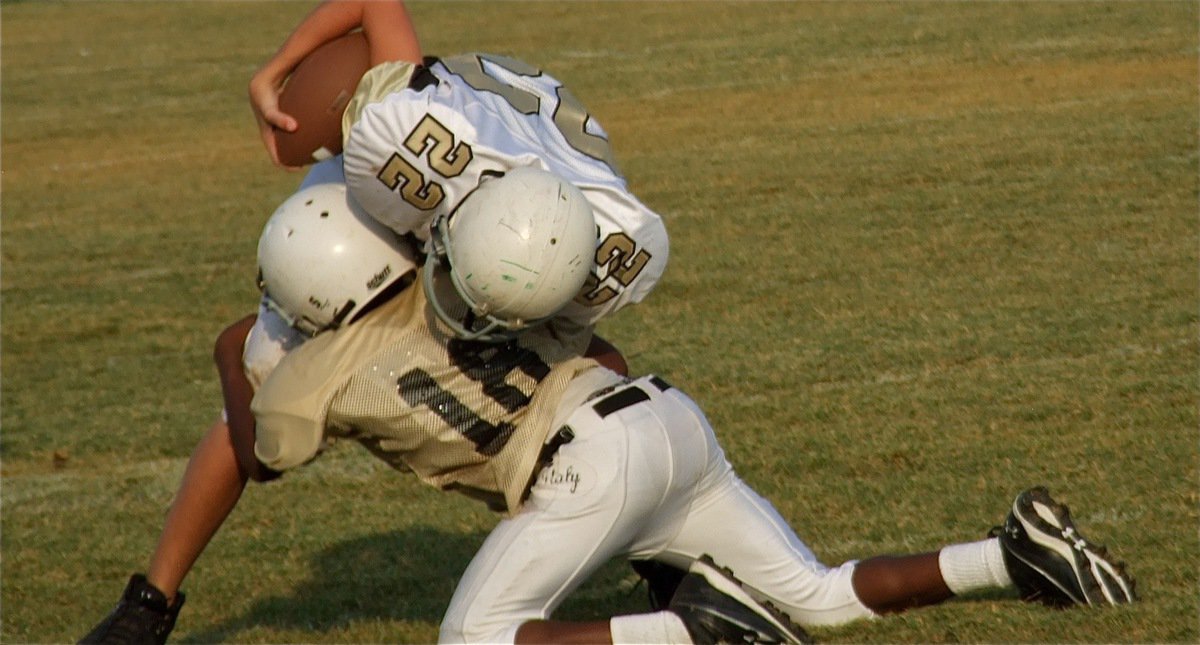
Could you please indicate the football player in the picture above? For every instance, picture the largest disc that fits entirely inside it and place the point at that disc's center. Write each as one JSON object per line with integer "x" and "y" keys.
{"x": 321, "y": 234}
{"x": 467, "y": 382}
{"x": 596, "y": 464}
{"x": 420, "y": 133}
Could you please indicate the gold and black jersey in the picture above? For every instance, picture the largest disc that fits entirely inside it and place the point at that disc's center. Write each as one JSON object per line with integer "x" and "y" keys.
{"x": 461, "y": 415}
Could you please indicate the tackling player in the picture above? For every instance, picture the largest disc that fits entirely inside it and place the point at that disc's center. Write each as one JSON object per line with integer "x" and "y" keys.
{"x": 619, "y": 467}
{"x": 462, "y": 382}
{"x": 630, "y": 253}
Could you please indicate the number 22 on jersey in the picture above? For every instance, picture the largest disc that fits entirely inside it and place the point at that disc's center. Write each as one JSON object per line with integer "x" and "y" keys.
{"x": 448, "y": 156}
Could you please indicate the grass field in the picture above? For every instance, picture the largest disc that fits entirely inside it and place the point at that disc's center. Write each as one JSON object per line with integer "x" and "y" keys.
{"x": 924, "y": 255}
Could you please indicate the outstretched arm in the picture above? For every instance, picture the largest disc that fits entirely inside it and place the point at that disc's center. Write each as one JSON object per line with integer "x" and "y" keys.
{"x": 390, "y": 36}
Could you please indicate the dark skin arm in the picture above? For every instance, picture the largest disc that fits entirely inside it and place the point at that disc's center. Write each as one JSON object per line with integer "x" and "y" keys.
{"x": 607, "y": 355}
{"x": 238, "y": 394}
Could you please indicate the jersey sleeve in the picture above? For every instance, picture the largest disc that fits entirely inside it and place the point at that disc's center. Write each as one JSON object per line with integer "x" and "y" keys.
{"x": 291, "y": 407}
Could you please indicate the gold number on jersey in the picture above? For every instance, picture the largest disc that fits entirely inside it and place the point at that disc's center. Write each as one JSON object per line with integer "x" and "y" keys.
{"x": 619, "y": 258}
{"x": 447, "y": 157}
{"x": 569, "y": 115}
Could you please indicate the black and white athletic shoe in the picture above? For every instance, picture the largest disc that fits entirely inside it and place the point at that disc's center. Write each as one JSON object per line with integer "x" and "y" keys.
{"x": 715, "y": 608}
{"x": 142, "y": 616}
{"x": 1051, "y": 563}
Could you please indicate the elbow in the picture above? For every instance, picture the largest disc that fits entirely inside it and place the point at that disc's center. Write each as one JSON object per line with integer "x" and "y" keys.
{"x": 252, "y": 468}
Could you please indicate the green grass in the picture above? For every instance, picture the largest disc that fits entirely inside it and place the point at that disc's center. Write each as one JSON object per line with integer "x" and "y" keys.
{"x": 923, "y": 255}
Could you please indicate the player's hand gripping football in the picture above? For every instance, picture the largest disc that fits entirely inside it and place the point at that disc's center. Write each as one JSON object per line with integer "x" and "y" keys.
{"x": 265, "y": 87}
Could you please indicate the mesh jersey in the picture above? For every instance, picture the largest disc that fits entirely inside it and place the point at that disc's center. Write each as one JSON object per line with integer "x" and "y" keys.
{"x": 411, "y": 155}
{"x": 460, "y": 415}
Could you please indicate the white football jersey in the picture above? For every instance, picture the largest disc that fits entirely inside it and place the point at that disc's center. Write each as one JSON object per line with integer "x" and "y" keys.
{"x": 413, "y": 154}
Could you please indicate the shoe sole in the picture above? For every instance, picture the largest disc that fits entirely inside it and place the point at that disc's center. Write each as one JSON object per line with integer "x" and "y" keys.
{"x": 723, "y": 580}
{"x": 1049, "y": 525}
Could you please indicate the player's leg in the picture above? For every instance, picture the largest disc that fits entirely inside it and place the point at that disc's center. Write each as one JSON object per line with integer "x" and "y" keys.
{"x": 601, "y": 496}
{"x": 709, "y": 605}
{"x": 209, "y": 490}
{"x": 213, "y": 483}
{"x": 767, "y": 556}
{"x": 741, "y": 530}
{"x": 211, "y": 487}
{"x": 1040, "y": 548}
{"x": 1039, "y": 551}
{"x": 575, "y": 520}
{"x": 1041, "y": 554}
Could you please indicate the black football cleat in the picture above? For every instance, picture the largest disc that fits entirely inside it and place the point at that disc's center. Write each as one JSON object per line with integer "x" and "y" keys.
{"x": 661, "y": 581}
{"x": 1051, "y": 563}
{"x": 142, "y": 617}
{"x": 715, "y": 608}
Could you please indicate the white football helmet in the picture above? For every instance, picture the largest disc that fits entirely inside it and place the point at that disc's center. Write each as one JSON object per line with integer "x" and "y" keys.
{"x": 517, "y": 250}
{"x": 322, "y": 258}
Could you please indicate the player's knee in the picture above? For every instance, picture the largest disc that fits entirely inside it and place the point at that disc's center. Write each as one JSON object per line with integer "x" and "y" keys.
{"x": 825, "y": 598}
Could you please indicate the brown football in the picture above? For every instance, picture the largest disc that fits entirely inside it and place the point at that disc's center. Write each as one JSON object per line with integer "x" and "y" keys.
{"x": 316, "y": 94}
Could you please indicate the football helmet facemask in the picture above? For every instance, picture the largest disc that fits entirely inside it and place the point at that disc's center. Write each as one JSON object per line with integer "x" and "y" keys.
{"x": 516, "y": 250}
{"x": 322, "y": 259}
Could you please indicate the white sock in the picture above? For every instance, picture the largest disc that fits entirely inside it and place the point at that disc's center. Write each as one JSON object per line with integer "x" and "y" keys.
{"x": 974, "y": 566}
{"x": 659, "y": 627}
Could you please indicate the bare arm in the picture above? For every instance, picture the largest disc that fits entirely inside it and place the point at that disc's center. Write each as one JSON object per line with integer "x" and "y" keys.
{"x": 238, "y": 394}
{"x": 607, "y": 355}
{"x": 390, "y": 36}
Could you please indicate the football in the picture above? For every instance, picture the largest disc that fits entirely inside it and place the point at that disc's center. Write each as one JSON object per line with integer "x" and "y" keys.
{"x": 316, "y": 94}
